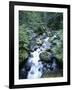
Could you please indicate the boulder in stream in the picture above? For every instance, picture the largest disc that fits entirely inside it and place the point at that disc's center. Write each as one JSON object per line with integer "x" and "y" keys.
{"x": 45, "y": 56}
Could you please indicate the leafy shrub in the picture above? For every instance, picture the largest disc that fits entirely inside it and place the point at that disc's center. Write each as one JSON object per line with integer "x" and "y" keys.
{"x": 56, "y": 22}
{"x": 23, "y": 43}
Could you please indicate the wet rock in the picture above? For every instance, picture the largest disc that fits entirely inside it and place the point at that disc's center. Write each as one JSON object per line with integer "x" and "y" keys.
{"x": 50, "y": 73}
{"x": 28, "y": 66}
{"x": 33, "y": 46}
{"x": 45, "y": 65}
{"x": 50, "y": 34}
{"x": 58, "y": 52}
{"x": 23, "y": 56}
{"x": 44, "y": 70}
{"x": 36, "y": 47}
{"x": 22, "y": 74}
{"x": 48, "y": 66}
{"x": 38, "y": 41}
{"x": 40, "y": 69}
{"x": 53, "y": 43}
{"x": 44, "y": 35}
{"x": 45, "y": 56}
{"x": 40, "y": 66}
{"x": 46, "y": 45}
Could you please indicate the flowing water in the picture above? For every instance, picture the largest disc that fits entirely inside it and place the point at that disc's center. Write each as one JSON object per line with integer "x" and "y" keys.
{"x": 35, "y": 68}
{"x": 36, "y": 65}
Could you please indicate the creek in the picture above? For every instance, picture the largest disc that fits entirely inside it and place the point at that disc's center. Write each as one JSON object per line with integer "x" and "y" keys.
{"x": 35, "y": 68}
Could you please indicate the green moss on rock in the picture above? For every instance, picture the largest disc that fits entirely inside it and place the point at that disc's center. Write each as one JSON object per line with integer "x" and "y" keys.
{"x": 23, "y": 55}
{"x": 58, "y": 52}
{"x": 45, "y": 56}
{"x": 51, "y": 74}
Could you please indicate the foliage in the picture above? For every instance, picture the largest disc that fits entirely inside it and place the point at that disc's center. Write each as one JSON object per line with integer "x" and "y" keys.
{"x": 57, "y": 49}
{"x": 31, "y": 22}
{"x": 23, "y": 43}
{"x": 56, "y": 22}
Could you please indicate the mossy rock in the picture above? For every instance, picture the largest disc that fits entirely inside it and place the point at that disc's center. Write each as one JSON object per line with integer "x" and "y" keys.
{"x": 49, "y": 74}
{"x": 23, "y": 55}
{"x": 45, "y": 56}
{"x": 58, "y": 52}
{"x": 39, "y": 41}
{"x": 50, "y": 34}
{"x": 49, "y": 50}
{"x": 60, "y": 60}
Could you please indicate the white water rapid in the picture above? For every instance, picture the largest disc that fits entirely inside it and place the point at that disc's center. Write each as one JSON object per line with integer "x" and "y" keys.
{"x": 36, "y": 64}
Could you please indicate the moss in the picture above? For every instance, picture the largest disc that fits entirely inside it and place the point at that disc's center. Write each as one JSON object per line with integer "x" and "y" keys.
{"x": 58, "y": 52}
{"x": 23, "y": 54}
{"x": 24, "y": 41}
{"x": 57, "y": 46}
{"x": 49, "y": 74}
{"x": 45, "y": 56}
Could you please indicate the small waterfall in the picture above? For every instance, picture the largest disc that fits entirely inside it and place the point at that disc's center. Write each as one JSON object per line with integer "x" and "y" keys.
{"x": 35, "y": 68}
{"x": 36, "y": 64}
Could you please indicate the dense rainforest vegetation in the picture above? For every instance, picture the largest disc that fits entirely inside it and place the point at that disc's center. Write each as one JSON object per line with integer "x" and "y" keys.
{"x": 33, "y": 26}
